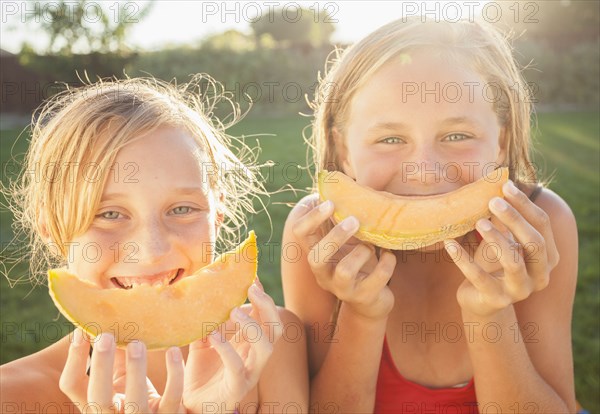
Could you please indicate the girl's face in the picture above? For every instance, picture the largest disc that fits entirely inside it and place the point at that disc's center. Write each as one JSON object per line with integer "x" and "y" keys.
{"x": 156, "y": 218}
{"x": 421, "y": 126}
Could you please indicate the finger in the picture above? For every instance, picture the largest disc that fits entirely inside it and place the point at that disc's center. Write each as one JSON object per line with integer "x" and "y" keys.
{"x": 507, "y": 253}
{"x": 536, "y": 216}
{"x": 501, "y": 227}
{"x": 481, "y": 280}
{"x": 136, "y": 391}
{"x": 322, "y": 254}
{"x": 202, "y": 358}
{"x": 251, "y": 333}
{"x": 254, "y": 312}
{"x": 100, "y": 389}
{"x": 347, "y": 269}
{"x": 232, "y": 362}
{"x": 259, "y": 283}
{"x": 268, "y": 315}
{"x": 172, "y": 397}
{"x": 537, "y": 256}
{"x": 333, "y": 241}
{"x": 382, "y": 273}
{"x": 73, "y": 380}
{"x": 308, "y": 226}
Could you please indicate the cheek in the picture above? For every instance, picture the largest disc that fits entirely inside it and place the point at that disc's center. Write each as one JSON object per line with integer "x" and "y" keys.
{"x": 197, "y": 240}
{"x": 367, "y": 166}
{"x": 90, "y": 255}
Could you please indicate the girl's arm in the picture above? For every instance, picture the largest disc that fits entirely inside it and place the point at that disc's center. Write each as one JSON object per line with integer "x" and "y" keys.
{"x": 283, "y": 385}
{"x": 343, "y": 358}
{"x": 521, "y": 354}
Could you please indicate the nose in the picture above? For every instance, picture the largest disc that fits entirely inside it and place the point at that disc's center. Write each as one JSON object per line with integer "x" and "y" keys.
{"x": 153, "y": 241}
{"x": 422, "y": 164}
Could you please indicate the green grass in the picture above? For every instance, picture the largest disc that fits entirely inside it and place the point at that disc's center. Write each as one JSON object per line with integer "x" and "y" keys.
{"x": 569, "y": 150}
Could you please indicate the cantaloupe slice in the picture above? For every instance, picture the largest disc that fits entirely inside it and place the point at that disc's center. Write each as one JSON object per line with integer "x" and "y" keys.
{"x": 408, "y": 222}
{"x": 172, "y": 315}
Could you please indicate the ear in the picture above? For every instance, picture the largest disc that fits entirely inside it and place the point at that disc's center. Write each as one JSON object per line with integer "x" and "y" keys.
{"x": 219, "y": 215}
{"x": 342, "y": 152}
{"x": 43, "y": 228}
{"x": 502, "y": 157}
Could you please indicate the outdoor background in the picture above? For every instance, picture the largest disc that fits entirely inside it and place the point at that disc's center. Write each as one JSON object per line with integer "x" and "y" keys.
{"x": 272, "y": 57}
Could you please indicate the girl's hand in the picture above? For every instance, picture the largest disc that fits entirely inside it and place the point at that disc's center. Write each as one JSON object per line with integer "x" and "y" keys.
{"x": 221, "y": 374}
{"x": 507, "y": 266}
{"x": 108, "y": 389}
{"x": 345, "y": 266}
{"x": 227, "y": 371}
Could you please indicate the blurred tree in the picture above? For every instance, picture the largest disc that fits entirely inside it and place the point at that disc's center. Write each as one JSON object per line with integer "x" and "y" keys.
{"x": 230, "y": 40}
{"x": 295, "y": 27}
{"x": 86, "y": 40}
{"x": 559, "y": 42}
{"x": 83, "y": 26}
{"x": 559, "y": 24}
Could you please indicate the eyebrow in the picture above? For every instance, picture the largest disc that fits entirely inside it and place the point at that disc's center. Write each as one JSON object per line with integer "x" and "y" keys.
{"x": 179, "y": 191}
{"x": 460, "y": 120}
{"x": 387, "y": 126}
{"x": 190, "y": 190}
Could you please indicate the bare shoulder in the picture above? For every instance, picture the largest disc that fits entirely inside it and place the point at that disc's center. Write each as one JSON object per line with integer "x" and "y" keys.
{"x": 563, "y": 224}
{"x": 29, "y": 384}
{"x": 557, "y": 209}
{"x": 558, "y": 296}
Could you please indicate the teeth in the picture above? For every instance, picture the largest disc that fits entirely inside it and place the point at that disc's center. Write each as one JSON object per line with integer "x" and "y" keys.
{"x": 129, "y": 282}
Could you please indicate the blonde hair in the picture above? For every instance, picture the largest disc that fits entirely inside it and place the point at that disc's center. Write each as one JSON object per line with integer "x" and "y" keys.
{"x": 477, "y": 43}
{"x": 87, "y": 126}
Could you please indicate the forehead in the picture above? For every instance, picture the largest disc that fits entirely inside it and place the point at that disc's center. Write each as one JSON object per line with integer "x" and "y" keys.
{"x": 160, "y": 159}
{"x": 424, "y": 83}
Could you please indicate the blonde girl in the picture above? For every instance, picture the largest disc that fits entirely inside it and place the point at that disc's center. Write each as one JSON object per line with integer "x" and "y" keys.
{"x": 464, "y": 326}
{"x": 145, "y": 166}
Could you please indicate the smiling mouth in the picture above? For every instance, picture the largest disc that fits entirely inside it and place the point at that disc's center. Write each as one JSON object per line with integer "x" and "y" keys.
{"x": 159, "y": 279}
{"x": 420, "y": 195}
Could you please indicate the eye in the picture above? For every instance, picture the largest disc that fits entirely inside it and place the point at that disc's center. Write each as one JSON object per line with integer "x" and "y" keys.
{"x": 391, "y": 140}
{"x": 456, "y": 137}
{"x": 182, "y": 210}
{"x": 109, "y": 215}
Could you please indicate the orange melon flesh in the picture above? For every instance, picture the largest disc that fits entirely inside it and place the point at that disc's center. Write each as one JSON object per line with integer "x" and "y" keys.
{"x": 172, "y": 315}
{"x": 408, "y": 222}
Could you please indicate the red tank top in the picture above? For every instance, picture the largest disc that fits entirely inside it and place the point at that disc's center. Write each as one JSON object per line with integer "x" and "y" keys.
{"x": 396, "y": 394}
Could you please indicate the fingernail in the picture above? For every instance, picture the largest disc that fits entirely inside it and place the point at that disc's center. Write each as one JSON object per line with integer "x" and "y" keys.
{"x": 258, "y": 283}
{"x": 255, "y": 290}
{"x": 135, "y": 349}
{"x": 104, "y": 342}
{"x": 77, "y": 337}
{"x": 448, "y": 245}
{"x": 349, "y": 223}
{"x": 326, "y": 206}
{"x": 451, "y": 248}
{"x": 510, "y": 188}
{"x": 238, "y": 314}
{"x": 175, "y": 354}
{"x": 498, "y": 204}
{"x": 215, "y": 337}
{"x": 484, "y": 225}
